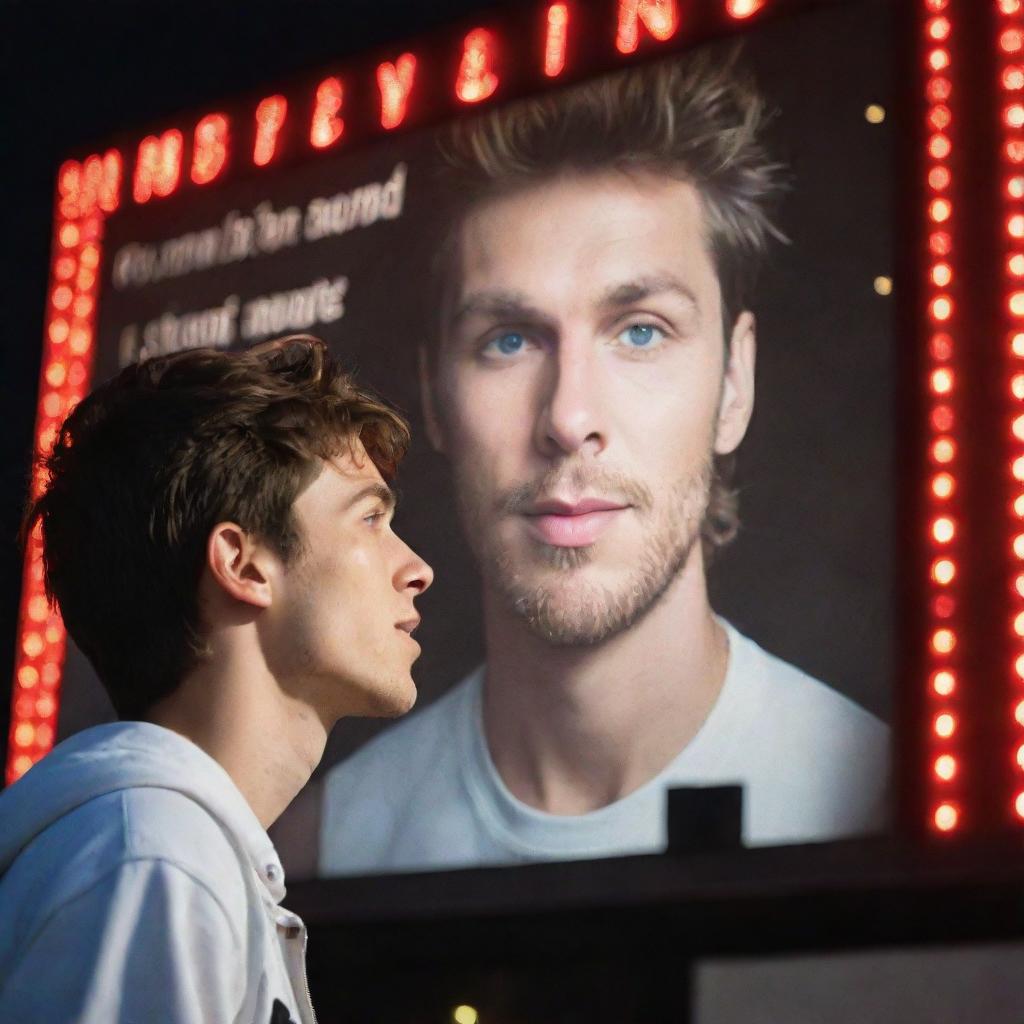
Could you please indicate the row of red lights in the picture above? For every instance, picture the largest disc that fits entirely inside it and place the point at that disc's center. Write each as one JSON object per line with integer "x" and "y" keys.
{"x": 1010, "y": 50}
{"x": 159, "y": 160}
{"x": 66, "y": 371}
{"x": 945, "y": 766}
{"x": 88, "y": 191}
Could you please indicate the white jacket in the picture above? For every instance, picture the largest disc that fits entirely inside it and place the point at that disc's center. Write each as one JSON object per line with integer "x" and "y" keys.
{"x": 138, "y": 886}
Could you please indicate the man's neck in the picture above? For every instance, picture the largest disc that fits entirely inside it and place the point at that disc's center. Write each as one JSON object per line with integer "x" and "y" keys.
{"x": 268, "y": 742}
{"x": 572, "y": 729}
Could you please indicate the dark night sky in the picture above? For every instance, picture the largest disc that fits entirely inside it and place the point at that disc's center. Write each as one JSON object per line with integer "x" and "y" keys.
{"x": 73, "y": 74}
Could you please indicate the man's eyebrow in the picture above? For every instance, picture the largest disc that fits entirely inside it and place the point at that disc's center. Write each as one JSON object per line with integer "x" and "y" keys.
{"x": 628, "y": 292}
{"x": 498, "y": 304}
{"x": 379, "y": 491}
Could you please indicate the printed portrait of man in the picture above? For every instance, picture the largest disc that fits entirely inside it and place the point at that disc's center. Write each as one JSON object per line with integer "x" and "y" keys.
{"x": 592, "y": 378}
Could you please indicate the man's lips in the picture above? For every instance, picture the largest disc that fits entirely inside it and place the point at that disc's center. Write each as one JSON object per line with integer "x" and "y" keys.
{"x": 407, "y": 627}
{"x": 572, "y": 524}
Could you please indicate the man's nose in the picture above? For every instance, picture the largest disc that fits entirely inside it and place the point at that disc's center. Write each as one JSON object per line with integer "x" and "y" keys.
{"x": 414, "y": 575}
{"x": 570, "y": 417}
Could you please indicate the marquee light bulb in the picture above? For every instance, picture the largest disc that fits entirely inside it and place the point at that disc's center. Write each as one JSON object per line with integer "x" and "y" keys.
{"x": 945, "y": 767}
{"x": 946, "y": 817}
{"x": 743, "y": 8}
{"x": 944, "y": 725}
{"x": 943, "y": 530}
{"x": 943, "y": 571}
{"x": 944, "y": 683}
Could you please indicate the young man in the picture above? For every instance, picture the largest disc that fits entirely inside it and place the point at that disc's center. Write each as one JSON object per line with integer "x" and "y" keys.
{"x": 217, "y": 534}
{"x": 594, "y": 376}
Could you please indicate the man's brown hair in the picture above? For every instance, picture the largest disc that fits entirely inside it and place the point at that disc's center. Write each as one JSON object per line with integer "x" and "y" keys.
{"x": 149, "y": 462}
{"x": 697, "y": 118}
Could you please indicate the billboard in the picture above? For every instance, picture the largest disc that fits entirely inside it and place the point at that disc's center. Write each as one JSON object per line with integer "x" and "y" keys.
{"x": 636, "y": 302}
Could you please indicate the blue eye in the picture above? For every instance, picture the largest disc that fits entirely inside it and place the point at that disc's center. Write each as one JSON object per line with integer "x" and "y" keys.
{"x": 639, "y": 336}
{"x": 508, "y": 344}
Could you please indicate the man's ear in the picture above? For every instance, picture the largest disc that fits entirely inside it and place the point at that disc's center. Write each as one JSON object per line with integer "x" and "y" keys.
{"x": 430, "y": 417}
{"x": 737, "y": 403}
{"x": 240, "y": 566}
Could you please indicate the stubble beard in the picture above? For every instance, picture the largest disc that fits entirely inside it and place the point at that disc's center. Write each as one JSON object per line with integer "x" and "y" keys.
{"x": 568, "y": 611}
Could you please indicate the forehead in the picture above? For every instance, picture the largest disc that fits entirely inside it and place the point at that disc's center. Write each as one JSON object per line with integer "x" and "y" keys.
{"x": 580, "y": 234}
{"x": 341, "y": 478}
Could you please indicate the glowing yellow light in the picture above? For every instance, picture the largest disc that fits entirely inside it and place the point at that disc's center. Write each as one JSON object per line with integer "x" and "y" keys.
{"x": 946, "y": 817}
{"x": 943, "y": 530}
{"x": 1018, "y": 805}
{"x": 940, "y": 117}
{"x": 38, "y": 608}
{"x": 28, "y": 676}
{"x": 1018, "y": 468}
{"x": 33, "y": 645}
{"x": 1009, "y": 6}
{"x": 883, "y": 285}
{"x": 1018, "y": 624}
{"x": 939, "y": 178}
{"x": 939, "y": 146}
{"x": 743, "y": 8}
{"x": 59, "y": 331}
{"x": 1018, "y": 712}
{"x": 1018, "y": 546}
{"x": 943, "y": 571}
{"x": 942, "y": 274}
{"x": 1017, "y": 386}
{"x": 942, "y": 381}
{"x": 1013, "y": 77}
{"x": 1015, "y": 225}
{"x": 46, "y": 707}
{"x": 1014, "y": 115}
{"x": 943, "y": 485}
{"x": 53, "y": 634}
{"x": 1017, "y": 303}
{"x": 1011, "y": 41}
{"x": 940, "y": 210}
{"x": 944, "y": 683}
{"x": 945, "y": 725}
{"x": 874, "y": 113}
{"x": 1018, "y": 506}
{"x": 938, "y": 28}
{"x": 943, "y": 450}
{"x": 69, "y": 236}
{"x": 1018, "y": 666}
{"x": 90, "y": 256}
{"x": 942, "y": 307}
{"x": 1015, "y": 264}
{"x": 50, "y": 674}
{"x": 465, "y": 1015}
{"x": 945, "y": 767}
{"x": 943, "y": 641}
{"x": 938, "y": 59}
{"x": 24, "y": 734}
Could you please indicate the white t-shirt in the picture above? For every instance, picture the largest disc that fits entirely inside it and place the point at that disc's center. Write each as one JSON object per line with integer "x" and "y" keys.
{"x": 426, "y": 795}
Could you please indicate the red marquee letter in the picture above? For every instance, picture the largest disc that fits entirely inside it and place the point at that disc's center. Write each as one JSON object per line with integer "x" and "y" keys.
{"x": 476, "y": 80}
{"x": 554, "y": 45}
{"x": 83, "y": 187}
{"x": 395, "y": 84}
{"x": 157, "y": 166}
{"x": 210, "y": 153}
{"x": 327, "y": 126}
{"x": 270, "y": 115}
{"x": 660, "y": 18}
